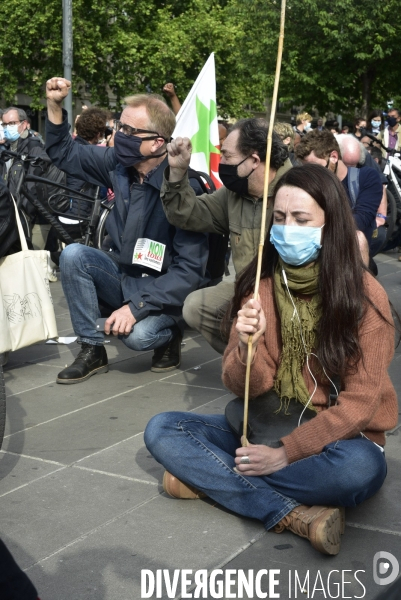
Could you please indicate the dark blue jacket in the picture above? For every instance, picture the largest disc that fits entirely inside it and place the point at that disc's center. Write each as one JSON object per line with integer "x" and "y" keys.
{"x": 367, "y": 203}
{"x": 137, "y": 213}
{"x": 81, "y": 208}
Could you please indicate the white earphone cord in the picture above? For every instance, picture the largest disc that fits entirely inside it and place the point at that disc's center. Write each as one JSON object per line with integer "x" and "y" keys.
{"x": 307, "y": 363}
{"x": 306, "y": 352}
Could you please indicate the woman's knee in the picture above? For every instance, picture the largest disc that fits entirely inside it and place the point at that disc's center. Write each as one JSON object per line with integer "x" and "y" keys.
{"x": 158, "y": 428}
{"x": 361, "y": 468}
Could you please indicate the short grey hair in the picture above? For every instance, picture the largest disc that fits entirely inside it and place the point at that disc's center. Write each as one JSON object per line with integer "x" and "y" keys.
{"x": 22, "y": 116}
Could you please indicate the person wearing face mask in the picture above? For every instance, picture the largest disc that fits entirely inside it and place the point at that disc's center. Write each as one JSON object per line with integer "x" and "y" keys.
{"x": 391, "y": 136}
{"x": 321, "y": 321}
{"x": 151, "y": 266}
{"x": 374, "y": 123}
{"x": 304, "y": 124}
{"x": 358, "y": 125}
{"x": 234, "y": 210}
{"x": 365, "y": 194}
{"x": 19, "y": 139}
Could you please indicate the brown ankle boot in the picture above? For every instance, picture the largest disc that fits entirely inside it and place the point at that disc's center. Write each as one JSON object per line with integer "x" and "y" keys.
{"x": 321, "y": 525}
{"x": 176, "y": 488}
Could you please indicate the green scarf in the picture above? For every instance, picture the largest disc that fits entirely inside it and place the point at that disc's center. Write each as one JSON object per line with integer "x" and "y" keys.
{"x": 289, "y": 381}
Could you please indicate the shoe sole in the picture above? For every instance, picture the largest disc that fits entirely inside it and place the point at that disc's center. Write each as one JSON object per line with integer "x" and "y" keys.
{"x": 178, "y": 489}
{"x": 94, "y": 372}
{"x": 342, "y": 517}
{"x": 325, "y": 532}
{"x": 164, "y": 370}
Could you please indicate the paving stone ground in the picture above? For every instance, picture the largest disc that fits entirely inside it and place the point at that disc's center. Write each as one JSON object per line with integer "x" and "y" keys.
{"x": 82, "y": 508}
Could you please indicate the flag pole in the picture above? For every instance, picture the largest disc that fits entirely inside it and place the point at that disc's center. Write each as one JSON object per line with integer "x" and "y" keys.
{"x": 244, "y": 440}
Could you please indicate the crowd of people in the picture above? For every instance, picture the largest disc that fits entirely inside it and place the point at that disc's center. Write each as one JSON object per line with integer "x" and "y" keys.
{"x": 322, "y": 322}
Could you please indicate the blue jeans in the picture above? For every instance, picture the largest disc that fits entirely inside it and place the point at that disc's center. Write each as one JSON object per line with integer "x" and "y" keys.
{"x": 200, "y": 450}
{"x": 88, "y": 274}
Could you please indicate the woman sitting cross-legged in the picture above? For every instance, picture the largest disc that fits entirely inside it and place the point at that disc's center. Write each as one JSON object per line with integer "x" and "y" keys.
{"x": 321, "y": 398}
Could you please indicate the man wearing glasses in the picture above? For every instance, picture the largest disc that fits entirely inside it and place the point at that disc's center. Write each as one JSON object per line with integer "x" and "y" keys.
{"x": 18, "y": 139}
{"x": 152, "y": 266}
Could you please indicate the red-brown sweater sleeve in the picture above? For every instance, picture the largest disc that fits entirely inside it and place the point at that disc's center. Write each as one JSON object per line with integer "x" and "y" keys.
{"x": 263, "y": 366}
{"x": 368, "y": 402}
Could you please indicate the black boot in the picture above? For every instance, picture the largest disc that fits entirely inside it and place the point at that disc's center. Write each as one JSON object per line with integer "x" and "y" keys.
{"x": 167, "y": 358}
{"x": 90, "y": 360}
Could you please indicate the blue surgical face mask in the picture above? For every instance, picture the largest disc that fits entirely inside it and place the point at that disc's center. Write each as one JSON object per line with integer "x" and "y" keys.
{"x": 296, "y": 245}
{"x": 375, "y": 124}
{"x": 11, "y": 133}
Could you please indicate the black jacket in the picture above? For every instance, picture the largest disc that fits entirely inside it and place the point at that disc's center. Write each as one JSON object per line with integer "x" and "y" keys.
{"x": 31, "y": 146}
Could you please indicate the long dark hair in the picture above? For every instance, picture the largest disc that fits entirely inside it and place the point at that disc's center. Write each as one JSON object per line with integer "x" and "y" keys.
{"x": 341, "y": 286}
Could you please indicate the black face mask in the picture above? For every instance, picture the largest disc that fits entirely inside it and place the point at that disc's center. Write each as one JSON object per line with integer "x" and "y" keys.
{"x": 128, "y": 149}
{"x": 392, "y": 121}
{"x": 232, "y": 181}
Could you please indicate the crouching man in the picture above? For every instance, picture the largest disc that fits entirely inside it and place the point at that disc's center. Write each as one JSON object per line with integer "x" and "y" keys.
{"x": 152, "y": 266}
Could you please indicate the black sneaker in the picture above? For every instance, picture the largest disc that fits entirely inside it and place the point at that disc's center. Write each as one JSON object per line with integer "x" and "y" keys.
{"x": 90, "y": 360}
{"x": 167, "y": 358}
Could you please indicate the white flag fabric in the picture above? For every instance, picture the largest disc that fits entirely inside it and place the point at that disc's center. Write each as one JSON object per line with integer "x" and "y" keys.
{"x": 197, "y": 120}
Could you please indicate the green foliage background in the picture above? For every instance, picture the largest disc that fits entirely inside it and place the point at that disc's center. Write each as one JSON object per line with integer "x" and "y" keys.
{"x": 338, "y": 55}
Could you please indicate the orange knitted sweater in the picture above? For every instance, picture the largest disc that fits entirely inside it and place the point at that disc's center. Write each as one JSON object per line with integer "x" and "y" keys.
{"x": 367, "y": 402}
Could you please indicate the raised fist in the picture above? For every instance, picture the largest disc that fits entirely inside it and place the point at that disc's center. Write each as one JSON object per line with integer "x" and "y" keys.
{"x": 179, "y": 153}
{"x": 57, "y": 89}
{"x": 169, "y": 90}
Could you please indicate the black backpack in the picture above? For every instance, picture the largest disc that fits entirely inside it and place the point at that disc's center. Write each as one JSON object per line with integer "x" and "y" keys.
{"x": 218, "y": 244}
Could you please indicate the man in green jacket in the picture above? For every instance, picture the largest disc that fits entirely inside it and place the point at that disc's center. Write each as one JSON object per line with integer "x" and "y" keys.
{"x": 235, "y": 210}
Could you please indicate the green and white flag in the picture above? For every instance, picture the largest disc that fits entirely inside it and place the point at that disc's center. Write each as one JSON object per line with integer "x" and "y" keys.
{"x": 197, "y": 120}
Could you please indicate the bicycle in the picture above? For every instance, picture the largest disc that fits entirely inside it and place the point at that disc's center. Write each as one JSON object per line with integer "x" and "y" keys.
{"x": 92, "y": 221}
{"x": 392, "y": 171}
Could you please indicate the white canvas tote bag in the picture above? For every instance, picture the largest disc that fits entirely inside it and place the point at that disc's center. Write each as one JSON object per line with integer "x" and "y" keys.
{"x": 26, "y": 312}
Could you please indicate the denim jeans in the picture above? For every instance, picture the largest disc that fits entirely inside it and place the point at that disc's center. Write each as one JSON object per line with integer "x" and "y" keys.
{"x": 88, "y": 274}
{"x": 200, "y": 450}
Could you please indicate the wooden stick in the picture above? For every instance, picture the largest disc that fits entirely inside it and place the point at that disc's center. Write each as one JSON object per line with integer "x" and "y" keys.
{"x": 244, "y": 440}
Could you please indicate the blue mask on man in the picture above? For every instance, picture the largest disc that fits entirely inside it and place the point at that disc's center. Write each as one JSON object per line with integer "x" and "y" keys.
{"x": 295, "y": 244}
{"x": 11, "y": 133}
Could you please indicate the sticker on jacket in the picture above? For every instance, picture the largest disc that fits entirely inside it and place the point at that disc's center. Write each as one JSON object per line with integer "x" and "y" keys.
{"x": 148, "y": 253}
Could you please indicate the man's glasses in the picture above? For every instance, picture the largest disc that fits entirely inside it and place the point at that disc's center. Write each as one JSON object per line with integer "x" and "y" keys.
{"x": 128, "y": 130}
{"x": 11, "y": 123}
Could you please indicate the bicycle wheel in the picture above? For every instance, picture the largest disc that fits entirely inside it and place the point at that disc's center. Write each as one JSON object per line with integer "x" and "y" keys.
{"x": 101, "y": 230}
{"x": 2, "y": 406}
